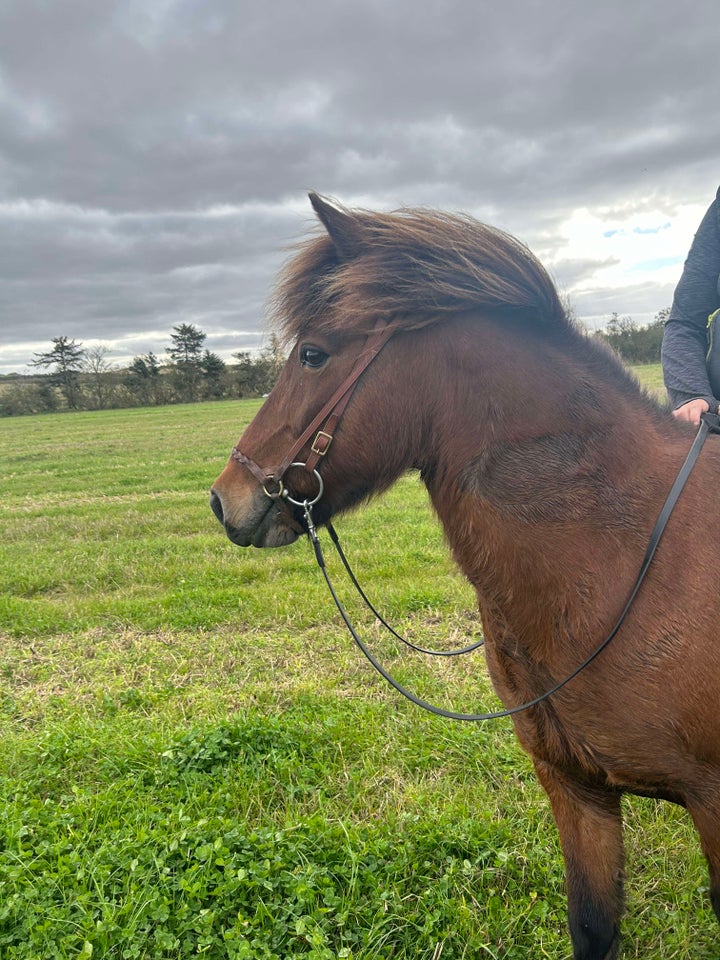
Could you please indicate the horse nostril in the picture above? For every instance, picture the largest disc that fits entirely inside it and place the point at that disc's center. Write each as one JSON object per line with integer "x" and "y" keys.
{"x": 216, "y": 506}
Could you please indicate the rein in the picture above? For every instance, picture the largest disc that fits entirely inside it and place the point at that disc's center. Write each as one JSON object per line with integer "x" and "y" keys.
{"x": 710, "y": 423}
{"x": 323, "y": 427}
{"x": 413, "y": 646}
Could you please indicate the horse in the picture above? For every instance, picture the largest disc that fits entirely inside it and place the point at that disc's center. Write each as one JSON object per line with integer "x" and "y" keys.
{"x": 431, "y": 342}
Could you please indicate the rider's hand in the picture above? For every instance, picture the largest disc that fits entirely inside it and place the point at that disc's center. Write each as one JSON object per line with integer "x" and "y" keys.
{"x": 692, "y": 411}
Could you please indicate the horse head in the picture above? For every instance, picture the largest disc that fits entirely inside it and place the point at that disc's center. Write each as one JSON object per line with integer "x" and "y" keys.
{"x": 321, "y": 436}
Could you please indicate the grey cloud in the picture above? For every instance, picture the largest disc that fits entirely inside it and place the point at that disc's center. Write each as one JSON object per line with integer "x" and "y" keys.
{"x": 154, "y": 155}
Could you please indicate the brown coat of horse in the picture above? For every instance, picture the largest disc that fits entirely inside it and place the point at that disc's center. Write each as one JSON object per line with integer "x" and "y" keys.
{"x": 547, "y": 466}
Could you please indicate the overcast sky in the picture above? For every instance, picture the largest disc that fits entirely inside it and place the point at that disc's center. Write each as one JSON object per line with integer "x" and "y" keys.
{"x": 155, "y": 155}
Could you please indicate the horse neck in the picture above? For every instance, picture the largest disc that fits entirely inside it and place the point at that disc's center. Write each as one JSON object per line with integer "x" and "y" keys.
{"x": 546, "y": 476}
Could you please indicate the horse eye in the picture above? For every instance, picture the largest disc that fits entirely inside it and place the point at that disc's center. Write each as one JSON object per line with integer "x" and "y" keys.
{"x": 312, "y": 356}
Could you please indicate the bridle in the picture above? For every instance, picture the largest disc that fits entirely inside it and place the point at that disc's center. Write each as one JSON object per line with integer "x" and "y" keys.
{"x": 323, "y": 426}
{"x": 321, "y": 429}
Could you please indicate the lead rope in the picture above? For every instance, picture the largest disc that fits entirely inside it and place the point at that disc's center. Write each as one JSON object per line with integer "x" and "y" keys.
{"x": 710, "y": 423}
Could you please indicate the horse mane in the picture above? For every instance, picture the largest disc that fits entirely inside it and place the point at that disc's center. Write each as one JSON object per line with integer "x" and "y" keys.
{"x": 416, "y": 267}
{"x": 411, "y": 267}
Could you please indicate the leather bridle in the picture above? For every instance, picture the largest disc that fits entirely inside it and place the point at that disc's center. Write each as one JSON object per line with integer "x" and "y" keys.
{"x": 321, "y": 429}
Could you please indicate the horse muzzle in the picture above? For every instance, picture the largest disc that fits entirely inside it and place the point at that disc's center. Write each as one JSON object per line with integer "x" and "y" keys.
{"x": 257, "y": 520}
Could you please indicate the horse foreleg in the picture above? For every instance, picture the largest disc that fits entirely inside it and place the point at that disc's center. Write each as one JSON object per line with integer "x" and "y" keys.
{"x": 590, "y": 828}
{"x": 706, "y": 817}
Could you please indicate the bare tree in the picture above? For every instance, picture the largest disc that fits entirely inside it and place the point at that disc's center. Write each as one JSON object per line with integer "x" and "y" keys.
{"x": 97, "y": 367}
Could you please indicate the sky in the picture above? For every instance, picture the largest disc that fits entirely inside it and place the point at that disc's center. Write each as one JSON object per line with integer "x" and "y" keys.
{"x": 155, "y": 155}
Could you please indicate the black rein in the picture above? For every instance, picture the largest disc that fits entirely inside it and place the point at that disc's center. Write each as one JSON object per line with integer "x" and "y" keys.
{"x": 710, "y": 423}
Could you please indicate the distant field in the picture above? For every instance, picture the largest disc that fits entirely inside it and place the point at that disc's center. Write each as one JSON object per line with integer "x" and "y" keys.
{"x": 195, "y": 761}
{"x": 650, "y": 376}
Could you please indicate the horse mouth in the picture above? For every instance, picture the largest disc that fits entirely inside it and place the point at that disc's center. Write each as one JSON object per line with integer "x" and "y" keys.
{"x": 270, "y": 523}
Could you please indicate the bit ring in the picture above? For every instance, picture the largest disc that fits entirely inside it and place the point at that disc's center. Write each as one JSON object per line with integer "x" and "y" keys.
{"x": 285, "y": 494}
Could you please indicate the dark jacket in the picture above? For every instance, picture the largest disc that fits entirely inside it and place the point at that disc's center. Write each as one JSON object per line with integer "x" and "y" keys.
{"x": 697, "y": 295}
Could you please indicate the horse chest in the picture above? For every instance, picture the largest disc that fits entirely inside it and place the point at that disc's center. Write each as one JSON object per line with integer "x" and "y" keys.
{"x": 551, "y": 732}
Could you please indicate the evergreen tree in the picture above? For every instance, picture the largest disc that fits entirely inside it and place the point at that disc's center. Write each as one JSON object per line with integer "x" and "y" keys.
{"x": 67, "y": 357}
{"x": 187, "y": 344}
{"x": 213, "y": 371}
{"x": 143, "y": 379}
{"x": 186, "y": 356}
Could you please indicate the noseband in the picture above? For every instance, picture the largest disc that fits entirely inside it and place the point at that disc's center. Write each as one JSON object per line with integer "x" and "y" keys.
{"x": 321, "y": 429}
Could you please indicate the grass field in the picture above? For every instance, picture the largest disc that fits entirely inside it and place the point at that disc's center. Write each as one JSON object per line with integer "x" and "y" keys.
{"x": 650, "y": 376}
{"x": 196, "y": 762}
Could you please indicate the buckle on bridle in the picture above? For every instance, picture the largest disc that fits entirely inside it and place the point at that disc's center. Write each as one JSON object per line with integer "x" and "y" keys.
{"x": 321, "y": 443}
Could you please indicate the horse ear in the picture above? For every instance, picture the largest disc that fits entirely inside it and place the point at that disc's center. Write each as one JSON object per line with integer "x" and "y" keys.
{"x": 344, "y": 229}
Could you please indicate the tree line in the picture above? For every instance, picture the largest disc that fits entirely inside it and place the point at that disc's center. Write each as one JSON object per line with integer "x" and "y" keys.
{"x": 79, "y": 378}
{"x": 73, "y": 377}
{"x": 636, "y": 344}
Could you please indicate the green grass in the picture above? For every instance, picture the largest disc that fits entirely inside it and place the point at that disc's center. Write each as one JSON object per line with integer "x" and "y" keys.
{"x": 195, "y": 761}
{"x": 651, "y": 377}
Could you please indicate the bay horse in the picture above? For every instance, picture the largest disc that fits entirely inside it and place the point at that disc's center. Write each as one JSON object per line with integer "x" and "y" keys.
{"x": 547, "y": 466}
